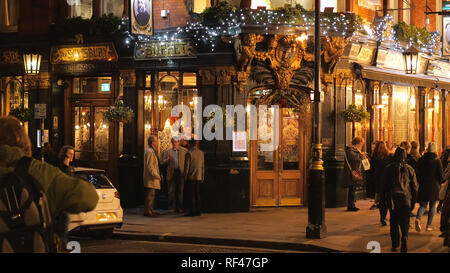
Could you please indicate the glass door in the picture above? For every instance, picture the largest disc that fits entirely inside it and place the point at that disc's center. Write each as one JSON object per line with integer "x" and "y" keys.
{"x": 278, "y": 174}
{"x": 92, "y": 135}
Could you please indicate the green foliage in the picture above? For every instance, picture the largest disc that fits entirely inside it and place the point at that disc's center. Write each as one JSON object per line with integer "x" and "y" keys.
{"x": 217, "y": 14}
{"x": 107, "y": 24}
{"x": 118, "y": 113}
{"x": 355, "y": 113}
{"x": 21, "y": 113}
{"x": 410, "y": 33}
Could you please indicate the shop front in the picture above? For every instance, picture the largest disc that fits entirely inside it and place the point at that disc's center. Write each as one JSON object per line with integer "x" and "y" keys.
{"x": 406, "y": 107}
{"x": 87, "y": 83}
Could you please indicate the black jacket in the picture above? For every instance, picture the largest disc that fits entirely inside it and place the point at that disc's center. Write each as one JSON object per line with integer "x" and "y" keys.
{"x": 430, "y": 176}
{"x": 354, "y": 158}
{"x": 399, "y": 185}
{"x": 378, "y": 166}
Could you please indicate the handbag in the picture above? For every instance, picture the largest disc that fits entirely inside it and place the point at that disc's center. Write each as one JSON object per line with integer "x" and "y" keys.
{"x": 365, "y": 164}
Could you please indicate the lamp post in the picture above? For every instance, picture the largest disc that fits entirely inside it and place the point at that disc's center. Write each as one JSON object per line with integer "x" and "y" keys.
{"x": 32, "y": 65}
{"x": 316, "y": 228}
{"x": 411, "y": 56}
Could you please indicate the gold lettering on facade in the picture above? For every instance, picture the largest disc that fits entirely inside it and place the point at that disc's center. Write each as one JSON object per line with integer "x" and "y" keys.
{"x": 160, "y": 50}
{"x": 83, "y": 53}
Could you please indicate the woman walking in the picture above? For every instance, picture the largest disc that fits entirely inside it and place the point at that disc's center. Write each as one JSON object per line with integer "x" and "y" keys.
{"x": 380, "y": 160}
{"x": 430, "y": 176}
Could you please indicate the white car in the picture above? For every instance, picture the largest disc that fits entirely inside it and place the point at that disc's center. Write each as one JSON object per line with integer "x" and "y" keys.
{"x": 107, "y": 215}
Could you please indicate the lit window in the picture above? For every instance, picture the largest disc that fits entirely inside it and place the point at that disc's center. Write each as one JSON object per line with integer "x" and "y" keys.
{"x": 199, "y": 5}
{"x": 112, "y": 6}
{"x": 9, "y": 15}
{"x": 81, "y": 8}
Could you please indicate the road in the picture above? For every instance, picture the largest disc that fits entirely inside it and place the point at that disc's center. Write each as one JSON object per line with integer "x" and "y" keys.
{"x": 128, "y": 246}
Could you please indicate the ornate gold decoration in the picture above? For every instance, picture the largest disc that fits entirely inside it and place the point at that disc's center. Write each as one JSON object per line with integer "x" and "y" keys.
{"x": 207, "y": 75}
{"x": 249, "y": 50}
{"x": 128, "y": 78}
{"x": 224, "y": 75}
{"x": 285, "y": 53}
{"x": 155, "y": 49}
{"x": 41, "y": 81}
{"x": 10, "y": 57}
{"x": 332, "y": 50}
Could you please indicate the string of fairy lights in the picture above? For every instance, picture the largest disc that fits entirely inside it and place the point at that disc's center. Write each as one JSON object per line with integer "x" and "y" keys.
{"x": 332, "y": 24}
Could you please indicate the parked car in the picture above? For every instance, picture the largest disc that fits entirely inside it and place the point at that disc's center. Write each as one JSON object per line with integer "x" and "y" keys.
{"x": 107, "y": 215}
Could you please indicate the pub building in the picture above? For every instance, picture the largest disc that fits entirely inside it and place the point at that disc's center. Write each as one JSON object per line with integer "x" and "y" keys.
{"x": 79, "y": 79}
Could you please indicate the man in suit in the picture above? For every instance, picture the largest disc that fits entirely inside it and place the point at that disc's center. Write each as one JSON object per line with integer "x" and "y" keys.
{"x": 175, "y": 157}
{"x": 142, "y": 16}
{"x": 152, "y": 176}
{"x": 194, "y": 169}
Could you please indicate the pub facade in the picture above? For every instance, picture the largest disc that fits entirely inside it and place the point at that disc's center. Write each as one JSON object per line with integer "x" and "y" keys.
{"x": 81, "y": 77}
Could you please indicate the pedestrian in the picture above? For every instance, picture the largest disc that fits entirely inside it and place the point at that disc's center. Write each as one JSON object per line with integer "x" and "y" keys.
{"x": 444, "y": 225}
{"x": 430, "y": 176}
{"x": 65, "y": 157}
{"x": 444, "y": 187}
{"x": 415, "y": 154}
{"x": 445, "y": 220}
{"x": 370, "y": 177}
{"x": 380, "y": 160}
{"x": 399, "y": 186}
{"x": 64, "y": 194}
{"x": 194, "y": 169}
{"x": 175, "y": 158}
{"x": 152, "y": 177}
{"x": 353, "y": 171}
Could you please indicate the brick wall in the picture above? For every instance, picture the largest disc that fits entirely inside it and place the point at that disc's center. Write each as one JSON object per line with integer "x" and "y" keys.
{"x": 178, "y": 14}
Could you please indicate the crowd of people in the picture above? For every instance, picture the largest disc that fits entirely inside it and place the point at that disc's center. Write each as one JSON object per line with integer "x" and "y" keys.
{"x": 397, "y": 179}
{"x": 185, "y": 162}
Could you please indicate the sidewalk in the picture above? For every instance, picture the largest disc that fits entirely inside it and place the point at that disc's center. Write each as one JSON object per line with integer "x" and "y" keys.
{"x": 278, "y": 228}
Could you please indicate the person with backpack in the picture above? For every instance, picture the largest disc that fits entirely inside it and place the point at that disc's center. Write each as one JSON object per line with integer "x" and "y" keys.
{"x": 33, "y": 194}
{"x": 399, "y": 186}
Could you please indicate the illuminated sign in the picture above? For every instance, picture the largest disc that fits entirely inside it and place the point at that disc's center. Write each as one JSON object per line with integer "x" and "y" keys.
{"x": 164, "y": 50}
{"x": 88, "y": 53}
{"x": 106, "y": 87}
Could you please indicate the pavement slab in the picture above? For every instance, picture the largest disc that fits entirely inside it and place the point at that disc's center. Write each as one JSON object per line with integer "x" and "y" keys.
{"x": 278, "y": 228}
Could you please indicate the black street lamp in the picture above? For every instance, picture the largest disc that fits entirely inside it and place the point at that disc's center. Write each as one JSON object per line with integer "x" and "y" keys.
{"x": 32, "y": 63}
{"x": 316, "y": 228}
{"x": 411, "y": 56}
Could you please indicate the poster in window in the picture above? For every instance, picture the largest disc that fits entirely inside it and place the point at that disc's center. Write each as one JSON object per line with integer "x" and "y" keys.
{"x": 239, "y": 141}
{"x": 141, "y": 17}
{"x": 446, "y": 36}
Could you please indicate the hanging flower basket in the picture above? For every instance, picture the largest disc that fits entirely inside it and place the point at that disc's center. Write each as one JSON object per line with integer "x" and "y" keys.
{"x": 21, "y": 113}
{"x": 118, "y": 113}
{"x": 355, "y": 113}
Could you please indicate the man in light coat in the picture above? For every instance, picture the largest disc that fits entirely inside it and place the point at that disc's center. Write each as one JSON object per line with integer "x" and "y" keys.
{"x": 194, "y": 169}
{"x": 152, "y": 176}
{"x": 175, "y": 157}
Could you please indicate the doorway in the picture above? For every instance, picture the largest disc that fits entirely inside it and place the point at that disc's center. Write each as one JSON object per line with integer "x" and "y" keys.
{"x": 277, "y": 177}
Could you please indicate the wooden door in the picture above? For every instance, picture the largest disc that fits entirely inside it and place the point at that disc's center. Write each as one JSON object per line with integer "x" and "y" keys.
{"x": 277, "y": 176}
{"x": 92, "y": 137}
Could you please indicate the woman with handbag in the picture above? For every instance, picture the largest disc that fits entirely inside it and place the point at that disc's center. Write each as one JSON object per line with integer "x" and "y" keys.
{"x": 380, "y": 160}
{"x": 353, "y": 171}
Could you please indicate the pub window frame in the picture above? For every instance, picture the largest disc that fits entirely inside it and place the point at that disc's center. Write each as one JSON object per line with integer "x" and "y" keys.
{"x": 11, "y": 28}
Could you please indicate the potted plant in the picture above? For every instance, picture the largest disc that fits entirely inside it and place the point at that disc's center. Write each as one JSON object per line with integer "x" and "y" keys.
{"x": 21, "y": 113}
{"x": 355, "y": 113}
{"x": 118, "y": 113}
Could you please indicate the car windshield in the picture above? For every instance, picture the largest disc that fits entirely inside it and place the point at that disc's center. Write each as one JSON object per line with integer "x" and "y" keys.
{"x": 97, "y": 179}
